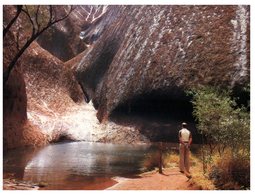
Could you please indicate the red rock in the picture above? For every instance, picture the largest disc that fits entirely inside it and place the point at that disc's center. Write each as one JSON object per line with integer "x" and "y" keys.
{"x": 166, "y": 48}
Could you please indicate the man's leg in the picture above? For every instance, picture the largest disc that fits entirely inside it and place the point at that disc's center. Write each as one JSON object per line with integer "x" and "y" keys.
{"x": 186, "y": 159}
{"x": 181, "y": 163}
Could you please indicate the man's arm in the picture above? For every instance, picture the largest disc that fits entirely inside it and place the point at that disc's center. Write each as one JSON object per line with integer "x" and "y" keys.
{"x": 180, "y": 138}
{"x": 190, "y": 139}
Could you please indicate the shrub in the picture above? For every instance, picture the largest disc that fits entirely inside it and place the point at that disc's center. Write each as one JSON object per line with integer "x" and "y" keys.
{"x": 230, "y": 172}
{"x": 151, "y": 161}
{"x": 220, "y": 121}
{"x": 226, "y": 130}
{"x": 171, "y": 159}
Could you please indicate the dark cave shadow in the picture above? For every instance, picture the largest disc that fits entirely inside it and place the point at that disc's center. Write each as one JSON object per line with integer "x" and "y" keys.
{"x": 157, "y": 115}
{"x": 156, "y": 128}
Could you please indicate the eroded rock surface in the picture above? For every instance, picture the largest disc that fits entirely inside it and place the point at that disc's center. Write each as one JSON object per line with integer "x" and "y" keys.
{"x": 42, "y": 100}
{"x": 17, "y": 130}
{"x": 144, "y": 49}
{"x": 133, "y": 62}
{"x": 64, "y": 40}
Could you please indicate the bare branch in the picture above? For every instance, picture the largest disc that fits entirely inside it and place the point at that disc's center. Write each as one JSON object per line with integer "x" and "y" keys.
{"x": 50, "y": 16}
{"x": 54, "y": 14}
{"x": 17, "y": 40}
{"x": 19, "y": 8}
{"x": 60, "y": 19}
{"x": 36, "y": 17}
{"x": 34, "y": 35}
{"x": 51, "y": 23}
{"x": 7, "y": 72}
{"x": 30, "y": 19}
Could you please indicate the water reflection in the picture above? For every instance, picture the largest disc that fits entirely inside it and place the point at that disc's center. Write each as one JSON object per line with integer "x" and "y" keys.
{"x": 15, "y": 161}
{"x": 78, "y": 165}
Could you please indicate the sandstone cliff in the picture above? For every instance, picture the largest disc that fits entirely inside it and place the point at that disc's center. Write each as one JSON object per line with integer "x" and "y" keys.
{"x": 42, "y": 100}
{"x": 164, "y": 50}
{"x": 17, "y": 130}
{"x": 63, "y": 39}
{"x": 38, "y": 80}
{"x": 133, "y": 62}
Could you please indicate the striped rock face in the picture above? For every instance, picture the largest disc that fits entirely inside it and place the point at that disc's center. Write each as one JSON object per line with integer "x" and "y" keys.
{"x": 148, "y": 50}
{"x": 63, "y": 40}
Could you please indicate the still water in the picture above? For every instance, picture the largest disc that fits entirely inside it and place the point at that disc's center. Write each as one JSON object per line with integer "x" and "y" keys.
{"x": 76, "y": 165}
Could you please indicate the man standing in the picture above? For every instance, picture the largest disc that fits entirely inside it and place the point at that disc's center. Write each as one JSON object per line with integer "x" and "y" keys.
{"x": 185, "y": 139}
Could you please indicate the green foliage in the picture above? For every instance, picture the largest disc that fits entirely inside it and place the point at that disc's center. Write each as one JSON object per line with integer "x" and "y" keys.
{"x": 220, "y": 120}
{"x": 247, "y": 88}
{"x": 225, "y": 127}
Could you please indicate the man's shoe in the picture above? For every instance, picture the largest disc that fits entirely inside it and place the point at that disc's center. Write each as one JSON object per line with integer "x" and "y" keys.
{"x": 189, "y": 176}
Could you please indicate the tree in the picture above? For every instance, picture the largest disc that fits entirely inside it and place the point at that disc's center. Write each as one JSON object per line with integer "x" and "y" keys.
{"x": 18, "y": 11}
{"x": 220, "y": 120}
{"x": 226, "y": 127}
{"x": 36, "y": 19}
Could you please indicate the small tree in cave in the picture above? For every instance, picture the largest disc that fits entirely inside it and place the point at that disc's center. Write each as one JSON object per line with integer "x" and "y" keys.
{"x": 29, "y": 22}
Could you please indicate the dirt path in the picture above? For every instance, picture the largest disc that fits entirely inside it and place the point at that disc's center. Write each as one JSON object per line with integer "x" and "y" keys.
{"x": 171, "y": 179}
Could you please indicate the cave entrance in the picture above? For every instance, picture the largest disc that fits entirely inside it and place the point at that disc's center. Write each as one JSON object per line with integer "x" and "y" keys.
{"x": 158, "y": 115}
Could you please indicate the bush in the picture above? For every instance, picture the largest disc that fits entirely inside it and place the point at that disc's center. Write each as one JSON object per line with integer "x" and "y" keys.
{"x": 171, "y": 159}
{"x": 226, "y": 130}
{"x": 151, "y": 161}
{"x": 231, "y": 173}
{"x": 219, "y": 119}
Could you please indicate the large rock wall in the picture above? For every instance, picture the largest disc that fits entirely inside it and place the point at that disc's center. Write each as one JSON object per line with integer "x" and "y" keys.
{"x": 17, "y": 130}
{"x": 167, "y": 48}
{"x": 63, "y": 39}
{"x": 132, "y": 52}
{"x": 39, "y": 88}
{"x": 42, "y": 100}
{"x": 52, "y": 91}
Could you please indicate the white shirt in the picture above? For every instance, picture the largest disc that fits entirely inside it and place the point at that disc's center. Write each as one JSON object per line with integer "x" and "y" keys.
{"x": 185, "y": 134}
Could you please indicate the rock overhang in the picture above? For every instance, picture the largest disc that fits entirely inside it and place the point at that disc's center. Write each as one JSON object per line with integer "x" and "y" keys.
{"x": 167, "y": 48}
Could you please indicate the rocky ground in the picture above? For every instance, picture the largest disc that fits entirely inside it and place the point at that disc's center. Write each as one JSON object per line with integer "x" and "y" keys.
{"x": 12, "y": 184}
